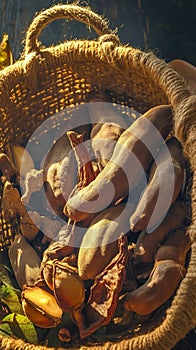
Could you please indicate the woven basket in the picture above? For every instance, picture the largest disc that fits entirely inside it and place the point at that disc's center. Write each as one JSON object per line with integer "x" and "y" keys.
{"x": 47, "y": 80}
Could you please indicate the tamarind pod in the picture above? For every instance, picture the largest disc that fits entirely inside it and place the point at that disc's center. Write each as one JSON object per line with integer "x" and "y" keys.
{"x": 29, "y": 225}
{"x": 20, "y": 157}
{"x": 100, "y": 242}
{"x": 161, "y": 284}
{"x": 118, "y": 172}
{"x": 33, "y": 183}
{"x": 169, "y": 165}
{"x": 187, "y": 71}
{"x": 169, "y": 269}
{"x": 103, "y": 141}
{"x": 175, "y": 247}
{"x": 24, "y": 260}
{"x": 107, "y": 125}
{"x": 86, "y": 171}
{"x": 7, "y": 168}
{"x": 59, "y": 173}
{"x": 11, "y": 203}
{"x": 56, "y": 250}
{"x": 147, "y": 245}
{"x": 58, "y": 184}
{"x": 102, "y": 302}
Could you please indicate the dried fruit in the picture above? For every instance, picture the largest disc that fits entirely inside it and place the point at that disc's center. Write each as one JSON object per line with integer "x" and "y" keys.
{"x": 24, "y": 260}
{"x": 169, "y": 269}
{"x": 100, "y": 242}
{"x": 30, "y": 224}
{"x": 33, "y": 182}
{"x": 20, "y": 157}
{"x": 7, "y": 167}
{"x": 11, "y": 202}
{"x": 102, "y": 302}
{"x": 148, "y": 244}
{"x": 41, "y": 307}
{"x": 118, "y": 171}
{"x": 68, "y": 286}
{"x": 153, "y": 204}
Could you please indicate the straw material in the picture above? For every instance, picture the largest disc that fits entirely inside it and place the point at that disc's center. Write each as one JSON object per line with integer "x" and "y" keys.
{"x": 47, "y": 80}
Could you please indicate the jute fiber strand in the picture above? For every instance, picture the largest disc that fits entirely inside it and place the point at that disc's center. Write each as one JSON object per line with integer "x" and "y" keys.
{"x": 47, "y": 80}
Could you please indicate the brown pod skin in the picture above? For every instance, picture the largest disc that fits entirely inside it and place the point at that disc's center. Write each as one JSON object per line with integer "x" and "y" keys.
{"x": 100, "y": 243}
{"x": 102, "y": 135}
{"x": 175, "y": 247}
{"x": 165, "y": 277}
{"x": 161, "y": 284}
{"x": 118, "y": 174}
{"x": 187, "y": 71}
{"x": 147, "y": 244}
{"x": 7, "y": 167}
{"x": 24, "y": 260}
{"x": 110, "y": 124}
{"x": 169, "y": 167}
{"x": 59, "y": 171}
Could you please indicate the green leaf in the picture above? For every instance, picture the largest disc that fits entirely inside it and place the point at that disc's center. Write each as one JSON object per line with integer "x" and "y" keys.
{"x": 4, "y": 277}
{"x": 5, "y": 328}
{"x": 6, "y": 265}
{"x": 10, "y": 298}
{"x": 19, "y": 326}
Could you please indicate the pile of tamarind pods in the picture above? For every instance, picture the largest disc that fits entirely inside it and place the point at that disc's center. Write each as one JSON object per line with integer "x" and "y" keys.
{"x": 124, "y": 242}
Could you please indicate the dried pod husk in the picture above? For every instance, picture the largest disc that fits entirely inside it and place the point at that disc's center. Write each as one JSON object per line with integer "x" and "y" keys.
{"x": 24, "y": 260}
{"x": 68, "y": 287}
{"x": 11, "y": 202}
{"x": 29, "y": 225}
{"x": 102, "y": 302}
{"x": 56, "y": 250}
{"x": 48, "y": 274}
{"x": 20, "y": 157}
{"x": 41, "y": 307}
{"x": 59, "y": 169}
{"x": 7, "y": 167}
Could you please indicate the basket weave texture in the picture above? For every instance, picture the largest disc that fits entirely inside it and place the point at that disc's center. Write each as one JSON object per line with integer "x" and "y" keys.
{"x": 47, "y": 80}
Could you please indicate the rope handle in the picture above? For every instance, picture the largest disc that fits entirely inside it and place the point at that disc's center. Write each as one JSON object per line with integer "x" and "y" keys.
{"x": 71, "y": 12}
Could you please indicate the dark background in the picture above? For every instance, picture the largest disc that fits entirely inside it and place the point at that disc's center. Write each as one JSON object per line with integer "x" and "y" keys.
{"x": 167, "y": 27}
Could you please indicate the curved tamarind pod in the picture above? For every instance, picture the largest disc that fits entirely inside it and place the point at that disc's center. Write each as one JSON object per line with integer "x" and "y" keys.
{"x": 187, "y": 71}
{"x": 161, "y": 284}
{"x": 100, "y": 243}
{"x": 147, "y": 245}
{"x": 165, "y": 277}
{"x": 169, "y": 165}
{"x": 118, "y": 172}
{"x": 107, "y": 126}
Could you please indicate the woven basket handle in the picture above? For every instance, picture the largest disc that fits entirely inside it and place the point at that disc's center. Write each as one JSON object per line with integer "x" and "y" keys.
{"x": 81, "y": 14}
